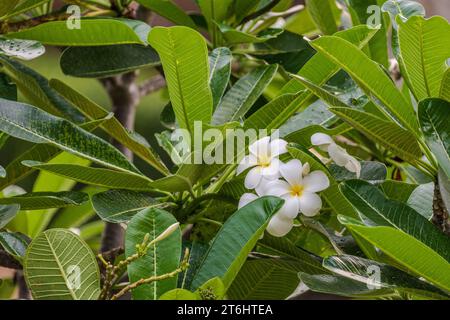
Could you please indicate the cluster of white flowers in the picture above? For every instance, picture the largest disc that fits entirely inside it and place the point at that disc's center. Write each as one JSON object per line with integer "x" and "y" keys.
{"x": 337, "y": 154}
{"x": 291, "y": 181}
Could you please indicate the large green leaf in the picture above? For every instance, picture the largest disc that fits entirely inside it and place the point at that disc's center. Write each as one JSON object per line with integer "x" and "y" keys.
{"x": 363, "y": 270}
{"x": 162, "y": 257}
{"x": 215, "y": 11}
{"x": 60, "y": 266}
{"x": 184, "y": 57}
{"x": 7, "y": 213}
{"x": 37, "y": 90}
{"x": 32, "y": 124}
{"x": 93, "y": 32}
{"x": 424, "y": 48}
{"x": 23, "y": 6}
{"x": 342, "y": 286}
{"x": 94, "y": 176}
{"x": 406, "y": 251}
{"x": 404, "y": 8}
{"x": 434, "y": 119}
{"x": 369, "y": 75}
{"x": 170, "y": 11}
{"x": 445, "y": 86}
{"x": 220, "y": 71}
{"x": 387, "y": 133}
{"x": 7, "y": 6}
{"x": 323, "y": 13}
{"x": 241, "y": 97}
{"x": 235, "y": 240}
{"x": 112, "y": 126}
{"x": 372, "y": 203}
{"x": 264, "y": 279}
{"x": 120, "y": 205}
{"x": 319, "y": 69}
{"x": 46, "y": 200}
{"x": 378, "y": 46}
{"x": 105, "y": 61}
{"x": 235, "y": 37}
{"x": 15, "y": 244}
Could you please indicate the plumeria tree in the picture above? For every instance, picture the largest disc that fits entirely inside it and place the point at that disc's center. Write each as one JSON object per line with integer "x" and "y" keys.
{"x": 306, "y": 148}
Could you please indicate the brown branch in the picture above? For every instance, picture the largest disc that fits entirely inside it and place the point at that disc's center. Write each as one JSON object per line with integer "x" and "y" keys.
{"x": 152, "y": 85}
{"x": 440, "y": 213}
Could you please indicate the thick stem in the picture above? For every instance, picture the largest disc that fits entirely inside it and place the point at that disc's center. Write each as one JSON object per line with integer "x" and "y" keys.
{"x": 440, "y": 213}
{"x": 24, "y": 293}
{"x": 125, "y": 96}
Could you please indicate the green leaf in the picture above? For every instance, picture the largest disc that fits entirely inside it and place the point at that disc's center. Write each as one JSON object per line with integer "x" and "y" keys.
{"x": 235, "y": 240}
{"x": 14, "y": 243}
{"x": 371, "y": 203}
{"x": 404, "y": 8}
{"x": 93, "y": 32}
{"x": 105, "y": 61}
{"x": 24, "y": 6}
{"x": 220, "y": 71}
{"x": 120, "y": 205}
{"x": 361, "y": 14}
{"x": 434, "y": 119}
{"x": 363, "y": 270}
{"x": 95, "y": 176}
{"x": 341, "y": 286}
{"x": 112, "y": 126}
{"x": 445, "y": 86}
{"x": 170, "y": 11}
{"x": 46, "y": 200}
{"x": 162, "y": 257}
{"x": 32, "y": 124}
{"x": 319, "y": 69}
{"x": 397, "y": 190}
{"x": 241, "y": 97}
{"x": 68, "y": 272}
{"x": 371, "y": 171}
{"x": 421, "y": 200}
{"x": 263, "y": 279}
{"x": 184, "y": 57}
{"x": 424, "y": 48}
{"x": 407, "y": 251}
{"x": 36, "y": 89}
{"x": 212, "y": 289}
{"x": 276, "y": 112}
{"x": 323, "y": 13}
{"x": 369, "y": 75}
{"x": 7, "y": 213}
{"x": 215, "y": 11}
{"x": 8, "y": 90}
{"x": 233, "y": 36}
{"x": 387, "y": 133}
{"x": 7, "y": 6}
{"x": 179, "y": 294}
{"x": 21, "y": 49}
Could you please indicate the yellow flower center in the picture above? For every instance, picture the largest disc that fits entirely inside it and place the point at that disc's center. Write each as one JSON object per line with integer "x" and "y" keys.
{"x": 264, "y": 161}
{"x": 297, "y": 190}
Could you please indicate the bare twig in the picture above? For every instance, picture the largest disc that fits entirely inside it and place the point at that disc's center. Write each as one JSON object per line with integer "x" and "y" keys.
{"x": 156, "y": 83}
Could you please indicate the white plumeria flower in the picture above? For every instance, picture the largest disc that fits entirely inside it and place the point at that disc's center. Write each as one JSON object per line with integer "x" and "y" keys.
{"x": 278, "y": 225}
{"x": 263, "y": 159}
{"x": 338, "y": 154}
{"x": 299, "y": 193}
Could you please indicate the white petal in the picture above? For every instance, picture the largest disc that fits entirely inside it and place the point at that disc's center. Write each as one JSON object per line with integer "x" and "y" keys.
{"x": 272, "y": 172}
{"x": 338, "y": 154}
{"x": 354, "y": 166}
{"x": 261, "y": 189}
{"x": 321, "y": 139}
{"x": 246, "y": 199}
{"x": 279, "y": 227}
{"x": 316, "y": 181}
{"x": 290, "y": 208}
{"x": 253, "y": 178}
{"x": 246, "y": 163}
{"x": 310, "y": 204}
{"x": 292, "y": 172}
{"x": 277, "y": 188}
{"x": 306, "y": 169}
{"x": 278, "y": 147}
{"x": 261, "y": 147}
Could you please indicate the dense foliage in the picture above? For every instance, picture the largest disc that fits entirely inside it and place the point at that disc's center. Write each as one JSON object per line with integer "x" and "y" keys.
{"x": 347, "y": 194}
